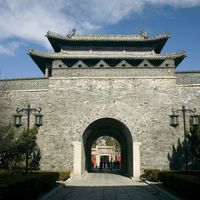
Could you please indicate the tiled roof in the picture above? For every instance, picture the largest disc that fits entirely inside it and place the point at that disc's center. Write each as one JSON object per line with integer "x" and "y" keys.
{"x": 96, "y": 37}
{"x": 63, "y": 55}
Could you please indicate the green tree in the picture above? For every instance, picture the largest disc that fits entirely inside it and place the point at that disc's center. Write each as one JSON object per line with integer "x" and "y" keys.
{"x": 7, "y": 145}
{"x": 194, "y": 141}
{"x": 13, "y": 149}
{"x": 27, "y": 141}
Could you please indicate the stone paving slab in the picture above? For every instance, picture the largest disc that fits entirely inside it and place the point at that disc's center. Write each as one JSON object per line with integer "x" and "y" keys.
{"x": 103, "y": 186}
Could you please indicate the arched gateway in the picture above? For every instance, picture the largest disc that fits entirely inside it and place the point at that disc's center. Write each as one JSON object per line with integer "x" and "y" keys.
{"x": 92, "y": 77}
{"x": 130, "y": 151}
{"x": 116, "y": 129}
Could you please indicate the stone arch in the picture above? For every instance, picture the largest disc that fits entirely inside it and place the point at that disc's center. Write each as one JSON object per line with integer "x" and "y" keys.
{"x": 116, "y": 129}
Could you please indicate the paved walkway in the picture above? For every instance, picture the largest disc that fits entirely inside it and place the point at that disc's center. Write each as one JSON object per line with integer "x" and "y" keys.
{"x": 103, "y": 186}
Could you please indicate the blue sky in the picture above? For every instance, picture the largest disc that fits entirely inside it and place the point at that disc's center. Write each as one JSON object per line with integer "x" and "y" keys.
{"x": 23, "y": 24}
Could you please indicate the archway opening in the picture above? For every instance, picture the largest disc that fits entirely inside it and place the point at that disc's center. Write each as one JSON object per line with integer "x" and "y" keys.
{"x": 105, "y": 155}
{"x": 109, "y": 127}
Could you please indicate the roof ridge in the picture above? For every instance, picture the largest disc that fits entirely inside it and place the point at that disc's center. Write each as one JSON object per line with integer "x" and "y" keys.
{"x": 138, "y": 36}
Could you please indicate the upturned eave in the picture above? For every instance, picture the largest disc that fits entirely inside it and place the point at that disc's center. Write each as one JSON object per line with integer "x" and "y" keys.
{"x": 43, "y": 58}
{"x": 157, "y": 42}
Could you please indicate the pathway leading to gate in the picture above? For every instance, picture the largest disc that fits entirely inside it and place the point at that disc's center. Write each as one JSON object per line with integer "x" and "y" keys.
{"x": 103, "y": 186}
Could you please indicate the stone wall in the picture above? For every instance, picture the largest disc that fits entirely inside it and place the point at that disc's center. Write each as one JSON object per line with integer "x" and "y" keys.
{"x": 143, "y": 105}
{"x": 70, "y": 104}
{"x": 115, "y": 72}
{"x": 24, "y": 84}
{"x": 19, "y": 93}
{"x": 188, "y": 77}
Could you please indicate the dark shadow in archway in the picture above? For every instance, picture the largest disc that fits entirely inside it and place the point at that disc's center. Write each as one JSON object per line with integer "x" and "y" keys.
{"x": 119, "y": 131}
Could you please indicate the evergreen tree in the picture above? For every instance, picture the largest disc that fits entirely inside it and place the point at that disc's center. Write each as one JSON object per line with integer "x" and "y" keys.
{"x": 194, "y": 140}
{"x": 7, "y": 145}
{"x": 13, "y": 149}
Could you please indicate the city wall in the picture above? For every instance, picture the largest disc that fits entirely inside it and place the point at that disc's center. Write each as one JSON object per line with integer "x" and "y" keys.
{"x": 70, "y": 103}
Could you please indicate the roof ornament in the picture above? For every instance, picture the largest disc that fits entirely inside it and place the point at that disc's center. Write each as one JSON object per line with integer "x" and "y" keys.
{"x": 30, "y": 51}
{"x": 144, "y": 34}
{"x": 71, "y": 33}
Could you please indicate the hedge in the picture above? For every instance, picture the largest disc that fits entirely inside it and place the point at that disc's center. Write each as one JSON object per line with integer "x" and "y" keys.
{"x": 186, "y": 184}
{"x": 152, "y": 174}
{"x": 63, "y": 175}
{"x": 27, "y": 187}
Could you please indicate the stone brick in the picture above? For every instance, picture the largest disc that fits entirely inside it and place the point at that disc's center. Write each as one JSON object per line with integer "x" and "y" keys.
{"x": 69, "y": 105}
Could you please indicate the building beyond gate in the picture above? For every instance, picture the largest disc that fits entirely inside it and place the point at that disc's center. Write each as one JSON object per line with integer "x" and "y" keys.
{"x": 96, "y": 85}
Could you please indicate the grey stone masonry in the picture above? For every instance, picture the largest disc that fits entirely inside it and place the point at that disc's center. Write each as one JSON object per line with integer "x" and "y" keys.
{"x": 135, "y": 72}
{"x": 192, "y": 77}
{"x": 25, "y": 84}
{"x": 70, "y": 104}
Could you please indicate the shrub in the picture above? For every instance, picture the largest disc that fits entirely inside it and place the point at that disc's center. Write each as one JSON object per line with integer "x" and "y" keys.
{"x": 26, "y": 187}
{"x": 185, "y": 184}
{"x": 152, "y": 174}
{"x": 63, "y": 175}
